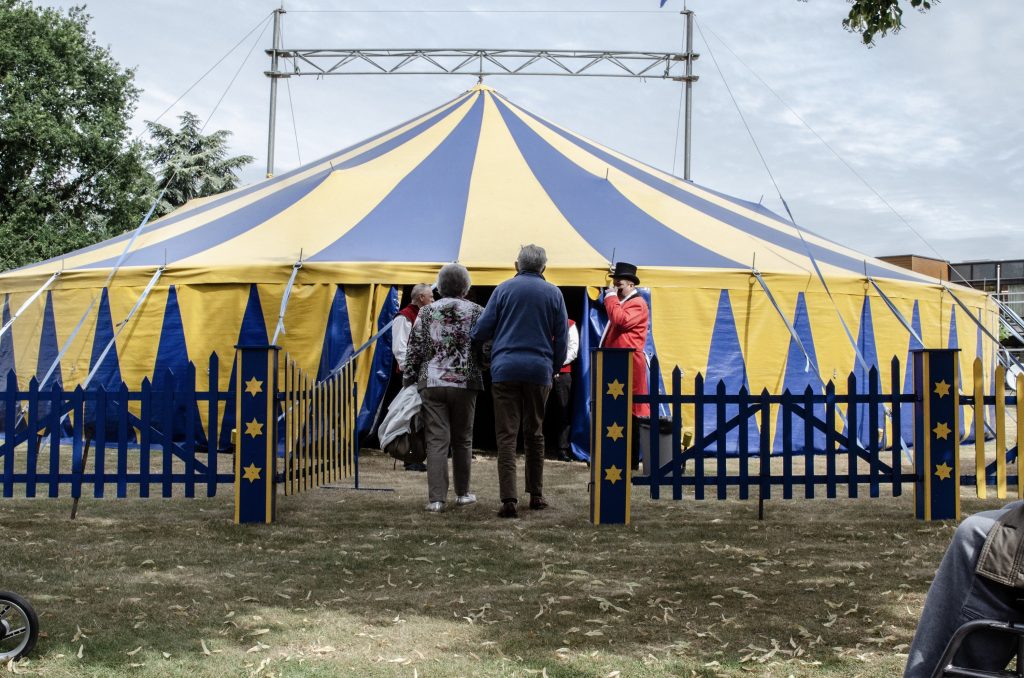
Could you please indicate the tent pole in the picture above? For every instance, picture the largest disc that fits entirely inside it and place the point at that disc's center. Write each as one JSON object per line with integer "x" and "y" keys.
{"x": 273, "y": 75}
{"x": 688, "y": 13}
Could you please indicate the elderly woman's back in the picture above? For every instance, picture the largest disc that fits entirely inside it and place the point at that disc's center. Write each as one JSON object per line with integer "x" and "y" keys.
{"x": 440, "y": 350}
{"x": 442, "y": 361}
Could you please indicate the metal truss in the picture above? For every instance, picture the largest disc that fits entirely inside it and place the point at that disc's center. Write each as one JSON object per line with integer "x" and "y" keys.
{"x": 481, "y": 63}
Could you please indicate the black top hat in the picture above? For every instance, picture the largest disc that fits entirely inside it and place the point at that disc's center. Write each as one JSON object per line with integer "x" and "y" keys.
{"x": 626, "y": 272}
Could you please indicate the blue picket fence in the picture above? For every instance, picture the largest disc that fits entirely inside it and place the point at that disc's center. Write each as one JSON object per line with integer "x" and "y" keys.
{"x": 732, "y": 439}
{"x": 134, "y": 442}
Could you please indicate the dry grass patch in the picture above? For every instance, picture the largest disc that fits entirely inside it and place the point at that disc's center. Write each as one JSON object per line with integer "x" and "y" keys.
{"x": 367, "y": 584}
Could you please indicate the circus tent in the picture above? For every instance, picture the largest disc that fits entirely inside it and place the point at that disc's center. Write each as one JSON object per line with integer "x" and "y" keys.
{"x": 471, "y": 181}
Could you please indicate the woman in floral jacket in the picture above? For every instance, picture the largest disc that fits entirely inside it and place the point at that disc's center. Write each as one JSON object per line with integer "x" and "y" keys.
{"x": 440, "y": 359}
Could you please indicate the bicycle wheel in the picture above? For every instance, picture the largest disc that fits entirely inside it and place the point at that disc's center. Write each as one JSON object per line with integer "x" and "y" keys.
{"x": 19, "y": 626}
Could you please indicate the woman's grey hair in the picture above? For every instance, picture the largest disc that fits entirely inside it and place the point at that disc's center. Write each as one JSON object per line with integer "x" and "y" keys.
{"x": 453, "y": 280}
{"x": 532, "y": 258}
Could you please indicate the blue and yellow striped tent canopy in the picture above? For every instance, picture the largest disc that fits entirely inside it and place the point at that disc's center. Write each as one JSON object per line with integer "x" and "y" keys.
{"x": 471, "y": 181}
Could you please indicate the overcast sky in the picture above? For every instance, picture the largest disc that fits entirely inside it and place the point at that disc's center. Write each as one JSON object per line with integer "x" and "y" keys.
{"x": 931, "y": 118}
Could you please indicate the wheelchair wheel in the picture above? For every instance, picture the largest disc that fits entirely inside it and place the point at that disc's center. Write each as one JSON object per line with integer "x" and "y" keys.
{"x": 19, "y": 627}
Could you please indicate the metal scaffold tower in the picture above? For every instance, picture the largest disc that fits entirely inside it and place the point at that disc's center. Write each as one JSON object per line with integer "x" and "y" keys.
{"x": 288, "y": 62}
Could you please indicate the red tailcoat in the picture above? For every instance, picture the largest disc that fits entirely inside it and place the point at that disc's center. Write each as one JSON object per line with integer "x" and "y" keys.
{"x": 627, "y": 328}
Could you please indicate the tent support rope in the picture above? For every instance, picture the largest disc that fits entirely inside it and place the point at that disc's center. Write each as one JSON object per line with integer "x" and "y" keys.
{"x": 284, "y": 301}
{"x": 29, "y": 301}
{"x": 121, "y": 325}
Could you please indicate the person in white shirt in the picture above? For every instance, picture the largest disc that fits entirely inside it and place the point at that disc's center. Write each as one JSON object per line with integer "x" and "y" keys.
{"x": 559, "y": 403}
{"x": 406, "y": 318}
{"x": 401, "y": 328}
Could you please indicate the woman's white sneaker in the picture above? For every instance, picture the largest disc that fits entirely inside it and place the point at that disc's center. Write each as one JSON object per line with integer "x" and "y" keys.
{"x": 465, "y": 499}
{"x": 434, "y": 506}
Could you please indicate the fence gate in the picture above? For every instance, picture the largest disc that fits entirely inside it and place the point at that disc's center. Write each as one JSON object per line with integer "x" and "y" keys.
{"x": 319, "y": 429}
{"x": 824, "y": 443}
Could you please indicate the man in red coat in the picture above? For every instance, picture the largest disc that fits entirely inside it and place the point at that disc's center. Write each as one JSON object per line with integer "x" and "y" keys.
{"x": 627, "y": 326}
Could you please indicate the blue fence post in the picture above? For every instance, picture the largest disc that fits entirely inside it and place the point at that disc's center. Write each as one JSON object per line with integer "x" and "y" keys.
{"x": 212, "y": 429}
{"x": 611, "y": 393}
{"x": 256, "y": 441}
{"x": 936, "y": 434}
{"x": 897, "y": 427}
{"x": 10, "y": 428}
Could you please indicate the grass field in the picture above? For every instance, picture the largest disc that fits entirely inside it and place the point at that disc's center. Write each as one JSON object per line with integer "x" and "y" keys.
{"x": 365, "y": 583}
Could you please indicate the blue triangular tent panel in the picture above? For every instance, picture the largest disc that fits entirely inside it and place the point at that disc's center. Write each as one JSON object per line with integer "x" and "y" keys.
{"x": 725, "y": 364}
{"x": 798, "y": 377}
{"x": 954, "y": 342}
{"x": 907, "y": 409}
{"x": 172, "y": 360}
{"x": 107, "y": 376}
{"x": 6, "y": 346}
{"x": 6, "y": 358}
{"x": 869, "y": 352}
{"x": 337, "y": 346}
{"x": 253, "y": 332}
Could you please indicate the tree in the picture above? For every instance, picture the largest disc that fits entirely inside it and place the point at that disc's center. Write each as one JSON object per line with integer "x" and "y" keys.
{"x": 190, "y": 164}
{"x": 69, "y": 173}
{"x": 879, "y": 17}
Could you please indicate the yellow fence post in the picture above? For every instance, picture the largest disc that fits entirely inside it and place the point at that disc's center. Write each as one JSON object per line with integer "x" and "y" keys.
{"x": 979, "y": 430}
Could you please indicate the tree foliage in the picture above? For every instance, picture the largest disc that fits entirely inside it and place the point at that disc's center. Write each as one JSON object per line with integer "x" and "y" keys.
{"x": 69, "y": 173}
{"x": 189, "y": 164}
{"x": 879, "y": 17}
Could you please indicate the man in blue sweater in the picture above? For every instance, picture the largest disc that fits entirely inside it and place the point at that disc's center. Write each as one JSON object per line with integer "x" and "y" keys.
{"x": 527, "y": 321}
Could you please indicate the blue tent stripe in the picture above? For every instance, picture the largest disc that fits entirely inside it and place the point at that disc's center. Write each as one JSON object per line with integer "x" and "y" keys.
{"x": 774, "y": 236}
{"x": 380, "y": 369}
{"x": 598, "y": 211}
{"x": 433, "y": 196}
{"x": 438, "y": 113}
{"x": 798, "y": 377}
{"x": 220, "y": 230}
{"x": 726, "y": 364}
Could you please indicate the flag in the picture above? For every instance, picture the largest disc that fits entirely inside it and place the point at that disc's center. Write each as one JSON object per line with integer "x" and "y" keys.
{"x": 662, "y": 3}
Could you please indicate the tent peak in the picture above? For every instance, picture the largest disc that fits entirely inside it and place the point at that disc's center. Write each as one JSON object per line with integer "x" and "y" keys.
{"x": 480, "y": 87}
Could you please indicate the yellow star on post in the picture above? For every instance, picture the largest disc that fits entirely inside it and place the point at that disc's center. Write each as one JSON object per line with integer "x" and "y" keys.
{"x": 253, "y": 386}
{"x": 942, "y": 388}
{"x": 943, "y": 470}
{"x": 252, "y": 473}
{"x": 941, "y": 430}
{"x": 613, "y": 474}
{"x": 253, "y": 428}
{"x": 615, "y": 389}
{"x": 614, "y": 431}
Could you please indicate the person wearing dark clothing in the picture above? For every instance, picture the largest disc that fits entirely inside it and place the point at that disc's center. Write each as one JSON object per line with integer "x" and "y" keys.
{"x": 558, "y": 420}
{"x": 527, "y": 321}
